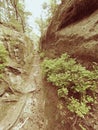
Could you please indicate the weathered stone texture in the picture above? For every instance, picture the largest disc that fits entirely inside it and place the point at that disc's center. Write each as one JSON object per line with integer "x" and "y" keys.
{"x": 74, "y": 29}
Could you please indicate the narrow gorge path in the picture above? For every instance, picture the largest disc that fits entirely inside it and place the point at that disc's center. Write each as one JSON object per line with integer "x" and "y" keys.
{"x": 32, "y": 115}
{"x": 28, "y": 112}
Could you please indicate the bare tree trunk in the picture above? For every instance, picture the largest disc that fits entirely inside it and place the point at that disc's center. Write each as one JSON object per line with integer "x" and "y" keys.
{"x": 14, "y": 4}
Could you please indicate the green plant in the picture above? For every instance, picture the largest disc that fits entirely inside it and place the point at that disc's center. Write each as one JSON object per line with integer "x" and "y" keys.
{"x": 75, "y": 83}
{"x": 3, "y": 59}
{"x": 62, "y": 92}
{"x": 80, "y": 108}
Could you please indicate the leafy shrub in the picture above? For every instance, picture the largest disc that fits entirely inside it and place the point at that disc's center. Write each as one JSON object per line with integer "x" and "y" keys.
{"x": 75, "y": 83}
{"x": 3, "y": 59}
{"x": 79, "y": 108}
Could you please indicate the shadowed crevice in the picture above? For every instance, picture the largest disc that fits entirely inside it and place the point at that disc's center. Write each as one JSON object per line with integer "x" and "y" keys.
{"x": 77, "y": 11}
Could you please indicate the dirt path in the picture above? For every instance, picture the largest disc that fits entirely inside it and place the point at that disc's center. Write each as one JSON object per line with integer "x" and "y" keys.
{"x": 28, "y": 112}
{"x": 32, "y": 116}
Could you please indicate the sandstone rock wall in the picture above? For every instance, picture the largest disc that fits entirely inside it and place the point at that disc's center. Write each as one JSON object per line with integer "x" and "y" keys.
{"x": 74, "y": 29}
{"x": 20, "y": 58}
{"x": 18, "y": 45}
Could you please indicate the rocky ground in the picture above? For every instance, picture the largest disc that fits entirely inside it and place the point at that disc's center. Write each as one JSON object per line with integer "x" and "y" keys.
{"x": 27, "y": 112}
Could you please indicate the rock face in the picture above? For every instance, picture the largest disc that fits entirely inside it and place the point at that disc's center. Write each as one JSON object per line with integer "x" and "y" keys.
{"x": 74, "y": 29}
{"x": 20, "y": 56}
{"x": 18, "y": 45}
{"x": 18, "y": 67}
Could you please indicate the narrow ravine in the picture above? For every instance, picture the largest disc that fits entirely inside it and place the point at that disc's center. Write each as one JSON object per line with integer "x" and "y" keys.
{"x": 32, "y": 114}
{"x": 28, "y": 112}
